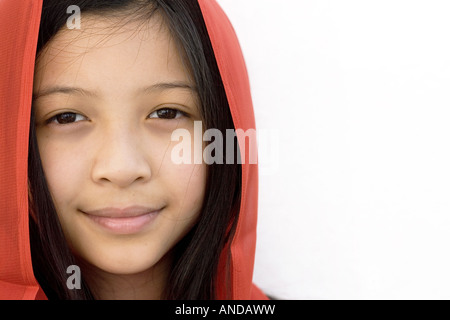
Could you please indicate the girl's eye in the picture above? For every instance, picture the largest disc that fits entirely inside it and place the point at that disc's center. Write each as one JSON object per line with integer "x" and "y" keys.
{"x": 66, "y": 118}
{"x": 166, "y": 113}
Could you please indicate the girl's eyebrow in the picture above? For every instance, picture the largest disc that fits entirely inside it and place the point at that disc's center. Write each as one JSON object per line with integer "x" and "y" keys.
{"x": 63, "y": 90}
{"x": 89, "y": 93}
{"x": 167, "y": 86}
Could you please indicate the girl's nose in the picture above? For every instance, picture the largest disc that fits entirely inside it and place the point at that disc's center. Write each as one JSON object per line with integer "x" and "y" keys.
{"x": 120, "y": 160}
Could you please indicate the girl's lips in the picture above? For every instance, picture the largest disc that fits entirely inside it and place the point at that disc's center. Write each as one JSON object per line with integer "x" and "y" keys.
{"x": 123, "y": 221}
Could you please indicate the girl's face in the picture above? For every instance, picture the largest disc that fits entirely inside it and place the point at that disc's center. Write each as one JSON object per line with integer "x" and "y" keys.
{"x": 107, "y": 98}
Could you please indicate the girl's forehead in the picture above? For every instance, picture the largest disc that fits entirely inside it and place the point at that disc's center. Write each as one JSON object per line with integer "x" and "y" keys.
{"x": 109, "y": 52}
{"x": 120, "y": 27}
{"x": 100, "y": 33}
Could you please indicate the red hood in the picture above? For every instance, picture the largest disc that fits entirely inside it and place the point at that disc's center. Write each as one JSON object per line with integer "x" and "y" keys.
{"x": 19, "y": 27}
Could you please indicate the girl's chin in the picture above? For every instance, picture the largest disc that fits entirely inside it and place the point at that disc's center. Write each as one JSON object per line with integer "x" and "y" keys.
{"x": 128, "y": 260}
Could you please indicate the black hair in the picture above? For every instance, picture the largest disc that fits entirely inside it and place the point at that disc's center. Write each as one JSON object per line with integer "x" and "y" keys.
{"x": 196, "y": 263}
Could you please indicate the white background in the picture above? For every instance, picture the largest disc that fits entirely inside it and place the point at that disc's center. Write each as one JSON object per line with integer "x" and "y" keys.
{"x": 358, "y": 93}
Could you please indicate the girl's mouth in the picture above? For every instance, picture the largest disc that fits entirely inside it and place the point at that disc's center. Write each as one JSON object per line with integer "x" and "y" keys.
{"x": 128, "y": 220}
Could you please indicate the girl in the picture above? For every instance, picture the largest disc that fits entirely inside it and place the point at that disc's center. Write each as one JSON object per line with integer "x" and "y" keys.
{"x": 104, "y": 193}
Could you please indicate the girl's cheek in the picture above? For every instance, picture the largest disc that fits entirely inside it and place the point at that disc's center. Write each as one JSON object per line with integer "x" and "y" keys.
{"x": 187, "y": 187}
{"x": 63, "y": 169}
